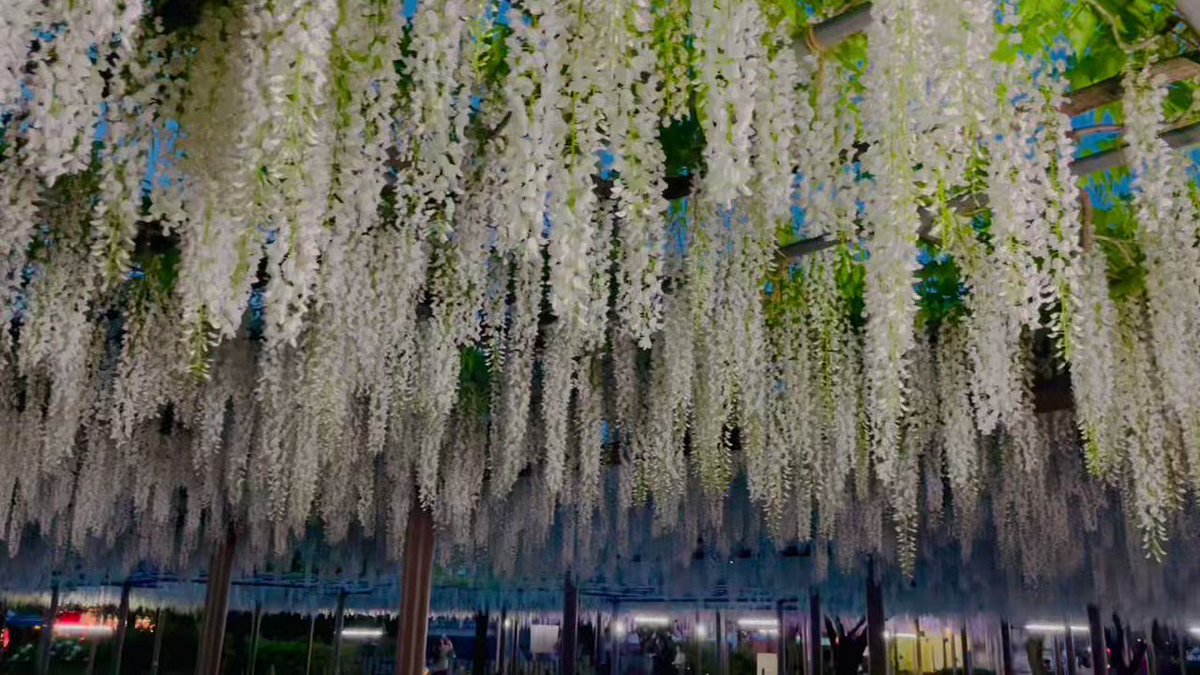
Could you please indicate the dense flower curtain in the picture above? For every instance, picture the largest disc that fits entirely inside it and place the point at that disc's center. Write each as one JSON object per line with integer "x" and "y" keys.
{"x": 311, "y": 264}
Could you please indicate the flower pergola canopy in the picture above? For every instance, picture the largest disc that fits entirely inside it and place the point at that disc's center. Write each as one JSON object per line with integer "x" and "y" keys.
{"x": 889, "y": 268}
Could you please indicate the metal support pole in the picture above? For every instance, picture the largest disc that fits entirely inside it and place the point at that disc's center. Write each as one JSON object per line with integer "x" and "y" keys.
{"x": 46, "y": 640}
{"x": 312, "y": 629}
{"x": 875, "y": 623}
{"x": 339, "y": 622}
{"x": 814, "y": 633}
{"x": 216, "y": 607}
{"x": 1096, "y": 633}
{"x": 122, "y": 627}
{"x": 568, "y": 644}
{"x": 159, "y": 626}
{"x": 1006, "y": 647}
{"x": 255, "y": 630}
{"x": 416, "y": 587}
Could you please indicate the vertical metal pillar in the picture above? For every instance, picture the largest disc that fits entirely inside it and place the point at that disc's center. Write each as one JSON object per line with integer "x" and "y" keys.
{"x": 312, "y": 629}
{"x": 1096, "y": 633}
{"x": 255, "y": 631}
{"x": 46, "y": 639}
{"x": 159, "y": 626}
{"x": 339, "y": 622}
{"x": 416, "y": 587}
{"x": 122, "y": 627}
{"x": 1006, "y": 647}
{"x": 814, "y": 633}
{"x": 875, "y": 623}
{"x": 216, "y": 607}
{"x": 568, "y": 642}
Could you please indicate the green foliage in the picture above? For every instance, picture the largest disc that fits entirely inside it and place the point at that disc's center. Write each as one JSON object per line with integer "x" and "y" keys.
{"x": 683, "y": 143}
{"x": 1099, "y": 32}
{"x": 474, "y": 381}
{"x": 1115, "y": 228}
{"x": 939, "y": 288}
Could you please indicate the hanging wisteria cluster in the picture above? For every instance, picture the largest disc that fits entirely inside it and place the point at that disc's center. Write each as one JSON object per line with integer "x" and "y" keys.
{"x": 313, "y": 264}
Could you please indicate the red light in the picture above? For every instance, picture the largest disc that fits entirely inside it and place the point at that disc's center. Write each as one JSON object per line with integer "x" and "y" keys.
{"x": 5, "y": 640}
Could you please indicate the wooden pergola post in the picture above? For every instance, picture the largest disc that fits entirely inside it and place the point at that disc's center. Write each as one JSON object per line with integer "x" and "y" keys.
{"x": 1070, "y": 647}
{"x": 46, "y": 639}
{"x": 216, "y": 607}
{"x": 781, "y": 642}
{"x": 159, "y": 626}
{"x": 570, "y": 626}
{"x": 1006, "y": 647}
{"x": 479, "y": 662}
{"x": 814, "y": 632}
{"x": 1096, "y": 634}
{"x": 501, "y": 640}
{"x": 968, "y": 657}
{"x": 339, "y": 622}
{"x": 312, "y": 628}
{"x": 122, "y": 627}
{"x": 876, "y": 647}
{"x": 255, "y": 631}
{"x": 722, "y": 645}
{"x": 415, "y": 590}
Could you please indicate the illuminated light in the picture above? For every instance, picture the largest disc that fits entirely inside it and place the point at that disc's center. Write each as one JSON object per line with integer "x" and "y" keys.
{"x": 82, "y": 630}
{"x": 888, "y": 635}
{"x": 508, "y": 623}
{"x": 701, "y": 631}
{"x": 1194, "y": 630}
{"x": 619, "y": 629}
{"x": 758, "y": 623}
{"x": 1053, "y": 628}
{"x": 362, "y": 633}
{"x": 651, "y": 620}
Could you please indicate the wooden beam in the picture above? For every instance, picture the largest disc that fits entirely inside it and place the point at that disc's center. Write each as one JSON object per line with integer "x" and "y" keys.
{"x": 1112, "y": 90}
{"x": 1190, "y": 11}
